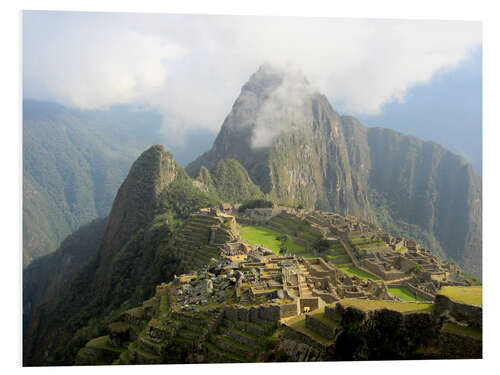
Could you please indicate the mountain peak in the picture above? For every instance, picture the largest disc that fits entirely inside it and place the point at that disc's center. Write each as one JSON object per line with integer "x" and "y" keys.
{"x": 270, "y": 77}
{"x": 275, "y": 98}
{"x": 138, "y": 196}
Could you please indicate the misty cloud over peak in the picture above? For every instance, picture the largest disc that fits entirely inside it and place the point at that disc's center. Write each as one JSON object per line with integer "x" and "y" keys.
{"x": 274, "y": 99}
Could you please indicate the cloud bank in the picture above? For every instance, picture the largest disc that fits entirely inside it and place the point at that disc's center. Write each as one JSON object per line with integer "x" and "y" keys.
{"x": 191, "y": 68}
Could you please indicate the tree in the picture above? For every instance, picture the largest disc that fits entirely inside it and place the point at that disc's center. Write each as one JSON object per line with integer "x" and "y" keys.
{"x": 321, "y": 245}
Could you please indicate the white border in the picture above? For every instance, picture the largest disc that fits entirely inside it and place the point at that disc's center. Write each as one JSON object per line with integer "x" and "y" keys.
{"x": 11, "y": 184}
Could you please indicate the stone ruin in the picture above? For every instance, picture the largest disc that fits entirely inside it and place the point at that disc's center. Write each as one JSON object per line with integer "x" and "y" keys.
{"x": 393, "y": 259}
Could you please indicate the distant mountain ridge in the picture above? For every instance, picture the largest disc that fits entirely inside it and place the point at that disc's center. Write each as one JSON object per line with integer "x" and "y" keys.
{"x": 73, "y": 163}
{"x": 300, "y": 151}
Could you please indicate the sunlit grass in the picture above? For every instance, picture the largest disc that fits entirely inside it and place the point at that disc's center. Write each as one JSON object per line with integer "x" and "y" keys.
{"x": 472, "y": 295}
{"x": 266, "y": 237}
{"x": 369, "y": 305}
{"x": 405, "y": 294}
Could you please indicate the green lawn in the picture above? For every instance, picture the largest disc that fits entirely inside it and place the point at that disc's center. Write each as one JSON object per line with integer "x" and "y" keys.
{"x": 351, "y": 270}
{"x": 369, "y": 305}
{"x": 267, "y": 237}
{"x": 405, "y": 294}
{"x": 472, "y": 295}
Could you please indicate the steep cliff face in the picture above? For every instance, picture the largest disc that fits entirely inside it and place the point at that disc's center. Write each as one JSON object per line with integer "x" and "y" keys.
{"x": 300, "y": 151}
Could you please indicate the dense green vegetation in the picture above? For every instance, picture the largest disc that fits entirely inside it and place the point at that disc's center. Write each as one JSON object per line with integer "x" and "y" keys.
{"x": 232, "y": 182}
{"x": 182, "y": 197}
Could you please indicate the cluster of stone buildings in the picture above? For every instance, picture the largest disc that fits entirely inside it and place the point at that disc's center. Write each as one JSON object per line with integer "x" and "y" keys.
{"x": 293, "y": 285}
{"x": 397, "y": 261}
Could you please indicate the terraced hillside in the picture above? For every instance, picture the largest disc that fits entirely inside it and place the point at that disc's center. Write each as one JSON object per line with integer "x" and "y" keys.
{"x": 201, "y": 236}
{"x": 158, "y": 332}
{"x": 161, "y": 331}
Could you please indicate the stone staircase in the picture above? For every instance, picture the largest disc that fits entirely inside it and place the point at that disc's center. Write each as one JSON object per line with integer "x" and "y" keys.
{"x": 304, "y": 289}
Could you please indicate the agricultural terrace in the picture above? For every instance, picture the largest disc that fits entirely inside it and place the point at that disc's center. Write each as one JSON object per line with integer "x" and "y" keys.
{"x": 370, "y": 305}
{"x": 405, "y": 294}
{"x": 472, "y": 295}
{"x": 367, "y": 243}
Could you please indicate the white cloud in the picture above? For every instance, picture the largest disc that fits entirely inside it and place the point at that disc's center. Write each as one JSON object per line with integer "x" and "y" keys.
{"x": 192, "y": 67}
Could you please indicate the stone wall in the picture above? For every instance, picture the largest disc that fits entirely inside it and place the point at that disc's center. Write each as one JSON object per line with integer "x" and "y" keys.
{"x": 325, "y": 296}
{"x": 380, "y": 272}
{"x": 420, "y": 293}
{"x": 406, "y": 264}
{"x": 460, "y": 311}
{"x": 289, "y": 309}
{"x": 256, "y": 314}
{"x": 326, "y": 270}
{"x": 313, "y": 303}
{"x": 321, "y": 328}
